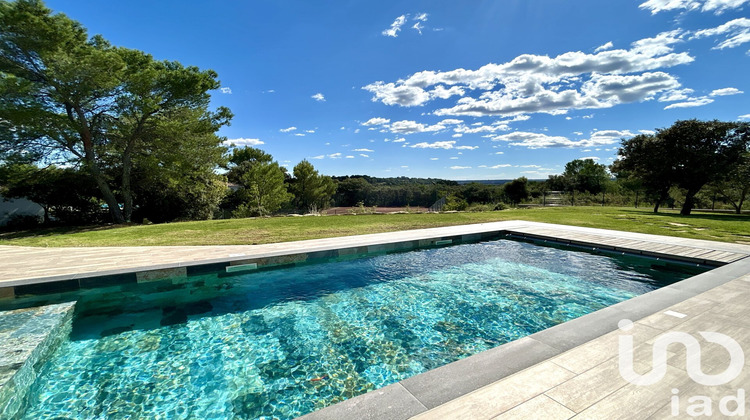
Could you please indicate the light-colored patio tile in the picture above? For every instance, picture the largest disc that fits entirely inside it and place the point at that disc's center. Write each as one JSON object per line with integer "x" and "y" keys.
{"x": 541, "y": 407}
{"x": 501, "y": 396}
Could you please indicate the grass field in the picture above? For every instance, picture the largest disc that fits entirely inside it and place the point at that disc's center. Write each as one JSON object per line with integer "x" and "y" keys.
{"x": 718, "y": 227}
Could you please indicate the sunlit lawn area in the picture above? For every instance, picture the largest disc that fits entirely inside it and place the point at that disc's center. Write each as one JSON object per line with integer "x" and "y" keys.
{"x": 718, "y": 227}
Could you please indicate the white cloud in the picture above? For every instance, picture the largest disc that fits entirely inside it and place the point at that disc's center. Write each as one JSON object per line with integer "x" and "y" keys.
{"x": 725, "y": 92}
{"x": 503, "y": 165}
{"x": 604, "y": 47}
{"x": 542, "y": 141}
{"x": 736, "y": 32}
{"x": 319, "y": 97}
{"x": 716, "y": 6}
{"x": 418, "y": 27}
{"x": 648, "y": 132}
{"x": 376, "y": 121}
{"x": 594, "y": 158}
{"x": 434, "y": 158}
{"x": 226, "y": 90}
{"x": 364, "y": 155}
{"x": 286, "y": 130}
{"x": 460, "y": 167}
{"x": 395, "y": 27}
{"x": 744, "y": 117}
{"x": 318, "y": 157}
{"x": 335, "y": 156}
{"x": 401, "y": 140}
{"x": 467, "y": 147}
{"x": 435, "y": 145}
{"x": 499, "y": 153}
{"x": 453, "y": 157}
{"x": 243, "y": 142}
{"x": 363, "y": 150}
{"x": 300, "y": 134}
{"x": 675, "y": 95}
{"x": 554, "y": 85}
{"x": 690, "y": 103}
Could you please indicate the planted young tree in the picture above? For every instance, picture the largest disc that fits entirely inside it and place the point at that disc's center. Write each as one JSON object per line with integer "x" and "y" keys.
{"x": 310, "y": 189}
{"x": 75, "y": 100}
{"x": 261, "y": 180}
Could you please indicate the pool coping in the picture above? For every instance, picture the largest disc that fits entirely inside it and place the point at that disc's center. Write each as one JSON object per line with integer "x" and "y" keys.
{"x": 430, "y": 389}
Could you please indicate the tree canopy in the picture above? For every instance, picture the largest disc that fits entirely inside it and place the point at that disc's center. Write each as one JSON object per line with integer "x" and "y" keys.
{"x": 261, "y": 180}
{"x": 688, "y": 155}
{"x": 70, "y": 99}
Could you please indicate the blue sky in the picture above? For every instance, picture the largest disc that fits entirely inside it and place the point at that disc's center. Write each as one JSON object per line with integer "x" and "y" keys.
{"x": 456, "y": 90}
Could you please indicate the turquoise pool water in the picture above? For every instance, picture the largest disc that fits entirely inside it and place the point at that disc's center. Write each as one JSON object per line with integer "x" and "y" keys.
{"x": 282, "y": 343}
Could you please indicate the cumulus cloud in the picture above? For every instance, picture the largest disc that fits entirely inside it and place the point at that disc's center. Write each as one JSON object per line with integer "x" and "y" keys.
{"x": 554, "y": 85}
{"x": 725, "y": 92}
{"x": 716, "y": 6}
{"x": 288, "y": 129}
{"x": 435, "y": 145}
{"x": 335, "y": 156}
{"x": 242, "y": 142}
{"x": 604, "y": 47}
{"x": 460, "y": 167}
{"x": 467, "y": 147}
{"x": 364, "y": 155}
{"x": 363, "y": 150}
{"x": 376, "y": 121}
{"x": 744, "y": 117}
{"x": 735, "y": 33}
{"x": 395, "y": 27}
{"x": 350, "y": 157}
{"x": 675, "y": 95}
{"x": 226, "y": 90}
{"x": 318, "y": 157}
{"x": 319, "y": 97}
{"x": 690, "y": 103}
{"x": 542, "y": 141}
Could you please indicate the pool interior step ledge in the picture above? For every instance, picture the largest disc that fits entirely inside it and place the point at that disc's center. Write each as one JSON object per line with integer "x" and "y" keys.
{"x": 27, "y": 338}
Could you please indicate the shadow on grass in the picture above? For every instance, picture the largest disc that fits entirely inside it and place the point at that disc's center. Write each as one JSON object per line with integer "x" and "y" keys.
{"x": 54, "y": 230}
{"x": 675, "y": 214}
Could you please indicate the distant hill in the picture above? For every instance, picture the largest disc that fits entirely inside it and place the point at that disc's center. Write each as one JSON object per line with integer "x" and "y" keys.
{"x": 492, "y": 181}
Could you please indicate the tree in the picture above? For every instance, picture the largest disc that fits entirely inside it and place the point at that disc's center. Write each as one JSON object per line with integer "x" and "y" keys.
{"x": 585, "y": 175}
{"x": 643, "y": 162}
{"x": 169, "y": 185}
{"x": 517, "y": 190}
{"x": 689, "y": 155}
{"x": 65, "y": 194}
{"x": 263, "y": 190}
{"x": 735, "y": 186}
{"x": 70, "y": 99}
{"x": 310, "y": 189}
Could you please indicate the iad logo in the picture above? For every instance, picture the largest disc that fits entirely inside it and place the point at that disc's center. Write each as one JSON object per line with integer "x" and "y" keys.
{"x": 703, "y": 405}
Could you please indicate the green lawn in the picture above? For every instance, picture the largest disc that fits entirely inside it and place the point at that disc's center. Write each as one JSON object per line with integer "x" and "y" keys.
{"x": 718, "y": 227}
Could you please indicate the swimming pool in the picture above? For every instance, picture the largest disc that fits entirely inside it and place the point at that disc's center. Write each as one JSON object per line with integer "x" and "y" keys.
{"x": 285, "y": 342}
